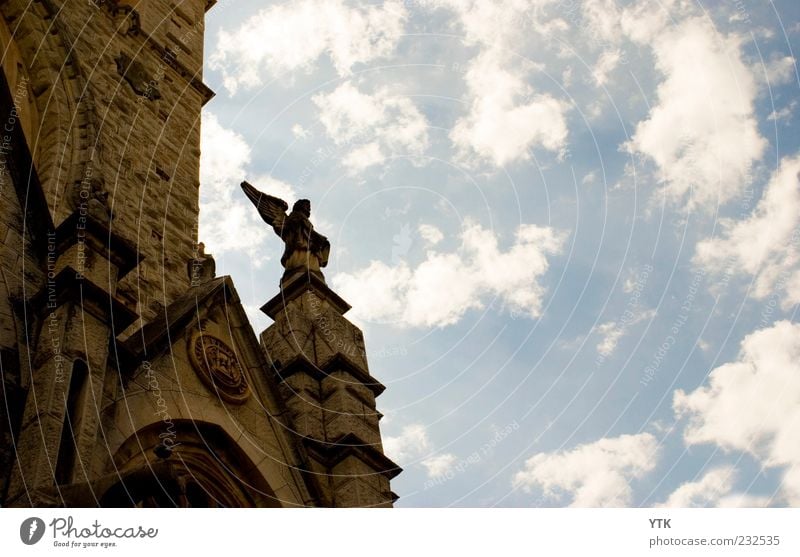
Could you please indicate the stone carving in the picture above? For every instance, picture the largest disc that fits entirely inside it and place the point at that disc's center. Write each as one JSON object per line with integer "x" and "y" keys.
{"x": 202, "y": 267}
{"x": 125, "y": 16}
{"x": 137, "y": 77}
{"x": 90, "y": 198}
{"x": 218, "y": 367}
{"x": 306, "y": 250}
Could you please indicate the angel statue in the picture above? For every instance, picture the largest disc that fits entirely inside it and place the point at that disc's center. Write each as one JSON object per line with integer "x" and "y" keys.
{"x": 306, "y": 250}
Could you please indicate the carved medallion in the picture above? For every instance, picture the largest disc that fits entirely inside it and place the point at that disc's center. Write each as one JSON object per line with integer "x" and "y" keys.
{"x": 218, "y": 366}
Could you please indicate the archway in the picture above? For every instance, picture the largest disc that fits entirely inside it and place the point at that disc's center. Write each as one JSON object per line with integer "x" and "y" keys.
{"x": 201, "y": 466}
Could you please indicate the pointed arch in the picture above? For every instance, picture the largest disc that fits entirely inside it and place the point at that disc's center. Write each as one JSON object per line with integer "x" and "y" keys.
{"x": 201, "y": 466}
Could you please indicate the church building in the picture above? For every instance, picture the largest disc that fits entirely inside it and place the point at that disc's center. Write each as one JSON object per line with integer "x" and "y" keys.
{"x": 131, "y": 375}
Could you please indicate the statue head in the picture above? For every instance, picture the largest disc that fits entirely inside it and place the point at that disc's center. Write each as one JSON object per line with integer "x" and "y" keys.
{"x": 302, "y": 206}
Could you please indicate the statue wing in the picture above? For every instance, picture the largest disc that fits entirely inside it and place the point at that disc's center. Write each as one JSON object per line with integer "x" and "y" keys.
{"x": 272, "y": 209}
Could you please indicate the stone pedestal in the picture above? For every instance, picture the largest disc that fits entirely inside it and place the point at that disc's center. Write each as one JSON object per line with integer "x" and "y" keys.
{"x": 319, "y": 360}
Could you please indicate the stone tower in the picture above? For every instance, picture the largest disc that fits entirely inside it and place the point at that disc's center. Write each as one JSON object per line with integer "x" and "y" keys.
{"x": 130, "y": 373}
{"x": 321, "y": 366}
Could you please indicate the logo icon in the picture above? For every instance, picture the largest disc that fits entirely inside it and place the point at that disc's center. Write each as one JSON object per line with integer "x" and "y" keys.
{"x": 31, "y": 530}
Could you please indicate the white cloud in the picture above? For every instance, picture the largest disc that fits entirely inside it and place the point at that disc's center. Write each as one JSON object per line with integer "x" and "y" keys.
{"x": 602, "y": 21}
{"x": 503, "y": 22}
{"x": 753, "y": 404}
{"x": 437, "y": 466}
{"x": 764, "y": 245}
{"x": 378, "y": 125}
{"x": 594, "y": 474}
{"x": 705, "y": 492}
{"x": 412, "y": 443}
{"x": 606, "y": 64}
{"x": 363, "y": 157}
{"x": 440, "y": 290}
{"x": 225, "y": 155}
{"x": 780, "y": 70}
{"x": 300, "y": 132}
{"x": 701, "y": 134}
{"x": 612, "y": 331}
{"x": 430, "y": 234}
{"x": 643, "y": 20}
{"x": 784, "y": 113}
{"x": 225, "y": 223}
{"x": 714, "y": 489}
{"x": 228, "y": 221}
{"x": 292, "y": 36}
{"x": 506, "y": 116}
{"x": 743, "y": 500}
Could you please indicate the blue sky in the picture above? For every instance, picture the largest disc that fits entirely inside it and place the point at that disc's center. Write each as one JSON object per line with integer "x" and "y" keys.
{"x": 569, "y": 230}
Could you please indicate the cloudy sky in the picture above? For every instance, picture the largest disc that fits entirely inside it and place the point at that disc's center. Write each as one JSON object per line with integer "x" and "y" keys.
{"x": 570, "y": 230}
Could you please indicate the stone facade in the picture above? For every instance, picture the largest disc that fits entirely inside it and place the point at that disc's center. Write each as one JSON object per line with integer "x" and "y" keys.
{"x": 126, "y": 379}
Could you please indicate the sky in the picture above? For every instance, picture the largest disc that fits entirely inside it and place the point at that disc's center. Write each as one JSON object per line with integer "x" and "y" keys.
{"x": 570, "y": 230}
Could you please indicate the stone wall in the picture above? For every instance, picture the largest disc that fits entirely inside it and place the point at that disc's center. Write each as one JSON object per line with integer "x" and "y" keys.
{"x": 137, "y": 134}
